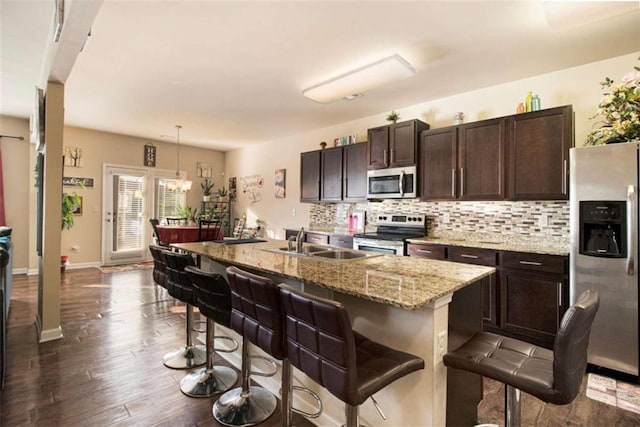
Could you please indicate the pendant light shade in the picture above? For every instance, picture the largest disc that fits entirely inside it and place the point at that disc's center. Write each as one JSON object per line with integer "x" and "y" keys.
{"x": 179, "y": 184}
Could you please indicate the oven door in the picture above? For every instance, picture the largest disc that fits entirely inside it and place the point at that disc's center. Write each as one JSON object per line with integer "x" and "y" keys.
{"x": 380, "y": 246}
{"x": 393, "y": 183}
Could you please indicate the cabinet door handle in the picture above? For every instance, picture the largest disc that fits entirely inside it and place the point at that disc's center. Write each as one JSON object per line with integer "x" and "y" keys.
{"x": 531, "y": 263}
{"x": 462, "y": 181}
{"x": 393, "y": 155}
{"x": 453, "y": 183}
{"x": 564, "y": 176}
{"x": 469, "y": 256}
{"x": 426, "y": 251}
{"x": 385, "y": 156}
{"x": 560, "y": 294}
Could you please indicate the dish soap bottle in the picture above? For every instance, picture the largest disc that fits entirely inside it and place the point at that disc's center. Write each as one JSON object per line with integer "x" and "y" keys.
{"x": 527, "y": 101}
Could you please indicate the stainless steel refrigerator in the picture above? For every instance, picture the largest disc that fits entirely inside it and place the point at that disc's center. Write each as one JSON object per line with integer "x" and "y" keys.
{"x": 603, "y": 202}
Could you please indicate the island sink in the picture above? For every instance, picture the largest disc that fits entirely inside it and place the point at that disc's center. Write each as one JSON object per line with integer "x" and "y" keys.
{"x": 325, "y": 252}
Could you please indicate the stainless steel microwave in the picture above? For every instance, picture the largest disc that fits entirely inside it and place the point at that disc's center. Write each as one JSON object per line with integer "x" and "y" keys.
{"x": 392, "y": 183}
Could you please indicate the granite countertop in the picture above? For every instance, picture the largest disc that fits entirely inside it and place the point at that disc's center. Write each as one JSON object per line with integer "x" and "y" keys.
{"x": 404, "y": 282}
{"x": 502, "y": 242}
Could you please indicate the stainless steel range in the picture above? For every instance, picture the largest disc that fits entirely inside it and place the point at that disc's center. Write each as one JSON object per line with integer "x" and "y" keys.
{"x": 392, "y": 233}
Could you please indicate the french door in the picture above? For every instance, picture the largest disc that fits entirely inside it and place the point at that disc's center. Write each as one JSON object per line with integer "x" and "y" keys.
{"x": 130, "y": 197}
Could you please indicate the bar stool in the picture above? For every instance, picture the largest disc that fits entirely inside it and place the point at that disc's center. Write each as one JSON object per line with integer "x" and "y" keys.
{"x": 213, "y": 298}
{"x": 180, "y": 287}
{"x": 257, "y": 316}
{"x": 159, "y": 266}
{"x": 551, "y": 376}
{"x": 321, "y": 343}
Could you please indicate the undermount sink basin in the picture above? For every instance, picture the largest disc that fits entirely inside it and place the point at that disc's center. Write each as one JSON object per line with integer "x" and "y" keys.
{"x": 325, "y": 252}
{"x": 341, "y": 255}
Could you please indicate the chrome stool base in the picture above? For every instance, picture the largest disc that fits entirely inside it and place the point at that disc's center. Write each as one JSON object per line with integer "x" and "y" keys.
{"x": 235, "y": 408}
{"x": 186, "y": 357}
{"x": 205, "y": 382}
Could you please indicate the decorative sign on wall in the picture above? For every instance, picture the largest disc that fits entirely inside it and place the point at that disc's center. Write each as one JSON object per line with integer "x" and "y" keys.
{"x": 232, "y": 188}
{"x": 149, "y": 155}
{"x": 251, "y": 186}
{"x": 281, "y": 183}
{"x": 72, "y": 156}
{"x": 71, "y": 181}
{"x": 204, "y": 169}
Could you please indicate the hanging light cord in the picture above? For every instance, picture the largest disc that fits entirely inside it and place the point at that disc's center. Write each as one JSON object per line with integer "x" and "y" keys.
{"x": 178, "y": 127}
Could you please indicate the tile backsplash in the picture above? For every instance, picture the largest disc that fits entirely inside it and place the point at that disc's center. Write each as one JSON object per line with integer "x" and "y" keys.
{"x": 538, "y": 219}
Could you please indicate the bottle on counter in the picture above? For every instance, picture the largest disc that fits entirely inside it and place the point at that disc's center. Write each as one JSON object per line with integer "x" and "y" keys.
{"x": 527, "y": 101}
{"x": 535, "y": 103}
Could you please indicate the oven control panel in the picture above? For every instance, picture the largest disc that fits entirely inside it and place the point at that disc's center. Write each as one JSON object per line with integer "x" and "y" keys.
{"x": 404, "y": 220}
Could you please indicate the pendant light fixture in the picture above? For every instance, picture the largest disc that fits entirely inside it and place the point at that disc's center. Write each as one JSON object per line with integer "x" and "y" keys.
{"x": 178, "y": 184}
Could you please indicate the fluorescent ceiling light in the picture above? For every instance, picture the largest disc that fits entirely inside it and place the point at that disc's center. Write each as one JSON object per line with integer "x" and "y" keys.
{"x": 356, "y": 82}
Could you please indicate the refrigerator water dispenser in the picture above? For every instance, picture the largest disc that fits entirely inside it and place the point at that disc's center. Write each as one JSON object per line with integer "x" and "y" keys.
{"x": 603, "y": 229}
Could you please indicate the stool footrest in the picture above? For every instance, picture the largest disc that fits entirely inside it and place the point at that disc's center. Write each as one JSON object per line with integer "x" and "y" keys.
{"x": 312, "y": 394}
{"x": 267, "y": 360}
{"x": 224, "y": 350}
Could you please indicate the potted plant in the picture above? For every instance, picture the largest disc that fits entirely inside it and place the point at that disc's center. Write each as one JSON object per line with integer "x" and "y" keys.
{"x": 207, "y": 188}
{"x": 70, "y": 202}
{"x": 222, "y": 194}
{"x": 393, "y": 116}
{"x": 619, "y": 111}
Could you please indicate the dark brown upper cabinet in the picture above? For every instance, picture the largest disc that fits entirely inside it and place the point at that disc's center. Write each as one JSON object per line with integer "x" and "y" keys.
{"x": 355, "y": 172}
{"x": 439, "y": 163}
{"x": 464, "y": 162}
{"x": 538, "y": 152}
{"x": 331, "y": 175}
{"x": 394, "y": 145}
{"x": 310, "y": 176}
{"x": 334, "y": 174}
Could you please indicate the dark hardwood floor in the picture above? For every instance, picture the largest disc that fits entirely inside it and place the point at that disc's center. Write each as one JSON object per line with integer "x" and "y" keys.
{"x": 108, "y": 371}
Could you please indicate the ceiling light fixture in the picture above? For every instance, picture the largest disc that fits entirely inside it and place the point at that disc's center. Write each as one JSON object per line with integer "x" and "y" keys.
{"x": 178, "y": 184}
{"x": 355, "y": 83}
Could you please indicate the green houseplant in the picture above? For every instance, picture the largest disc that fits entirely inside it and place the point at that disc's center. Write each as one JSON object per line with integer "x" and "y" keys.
{"x": 70, "y": 202}
{"x": 207, "y": 188}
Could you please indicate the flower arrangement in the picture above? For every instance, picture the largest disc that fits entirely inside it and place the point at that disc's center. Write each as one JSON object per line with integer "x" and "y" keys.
{"x": 619, "y": 110}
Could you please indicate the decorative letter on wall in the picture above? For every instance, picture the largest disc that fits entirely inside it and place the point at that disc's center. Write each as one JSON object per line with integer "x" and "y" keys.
{"x": 149, "y": 155}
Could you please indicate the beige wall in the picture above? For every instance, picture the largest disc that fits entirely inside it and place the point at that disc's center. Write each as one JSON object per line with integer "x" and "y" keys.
{"x": 18, "y": 184}
{"x": 578, "y": 86}
{"x": 97, "y": 148}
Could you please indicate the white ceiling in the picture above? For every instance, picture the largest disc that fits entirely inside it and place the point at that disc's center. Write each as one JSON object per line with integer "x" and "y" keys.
{"x": 232, "y": 73}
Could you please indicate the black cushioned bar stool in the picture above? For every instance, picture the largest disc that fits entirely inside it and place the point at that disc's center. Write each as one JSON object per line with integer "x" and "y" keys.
{"x": 179, "y": 286}
{"x": 321, "y": 343}
{"x": 159, "y": 266}
{"x": 213, "y": 298}
{"x": 257, "y": 316}
{"x": 551, "y": 376}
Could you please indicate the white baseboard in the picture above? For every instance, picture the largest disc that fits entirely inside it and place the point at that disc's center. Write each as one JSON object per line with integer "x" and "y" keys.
{"x": 49, "y": 334}
{"x": 76, "y": 266}
{"x": 17, "y": 271}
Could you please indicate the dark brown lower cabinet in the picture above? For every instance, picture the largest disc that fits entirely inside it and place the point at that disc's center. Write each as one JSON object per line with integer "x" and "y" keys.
{"x": 534, "y": 291}
{"x": 524, "y": 299}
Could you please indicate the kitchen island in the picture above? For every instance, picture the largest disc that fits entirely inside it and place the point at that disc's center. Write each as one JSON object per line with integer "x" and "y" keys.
{"x": 420, "y": 306}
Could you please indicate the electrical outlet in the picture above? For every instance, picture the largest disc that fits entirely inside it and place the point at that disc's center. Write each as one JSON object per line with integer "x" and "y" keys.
{"x": 293, "y": 212}
{"x": 442, "y": 343}
{"x": 445, "y": 218}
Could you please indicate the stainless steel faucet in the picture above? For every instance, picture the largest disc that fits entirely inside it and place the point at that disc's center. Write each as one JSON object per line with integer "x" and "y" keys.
{"x": 299, "y": 240}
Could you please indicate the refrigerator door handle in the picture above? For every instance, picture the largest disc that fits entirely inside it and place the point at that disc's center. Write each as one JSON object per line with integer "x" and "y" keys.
{"x": 632, "y": 231}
